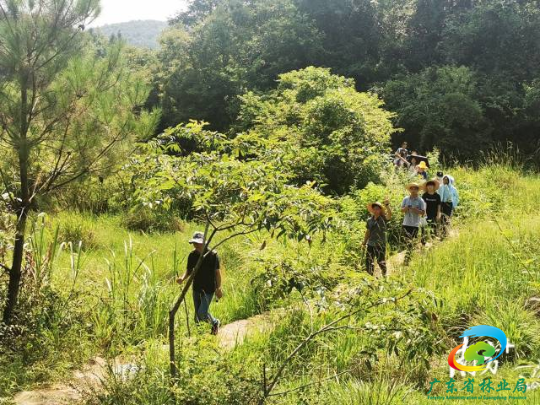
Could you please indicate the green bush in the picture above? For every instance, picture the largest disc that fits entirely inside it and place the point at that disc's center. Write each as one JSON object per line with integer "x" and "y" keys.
{"x": 77, "y": 229}
{"x": 206, "y": 377}
{"x": 149, "y": 220}
{"x": 327, "y": 131}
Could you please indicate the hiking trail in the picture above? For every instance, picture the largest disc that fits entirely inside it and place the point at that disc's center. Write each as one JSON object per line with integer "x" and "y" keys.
{"x": 91, "y": 376}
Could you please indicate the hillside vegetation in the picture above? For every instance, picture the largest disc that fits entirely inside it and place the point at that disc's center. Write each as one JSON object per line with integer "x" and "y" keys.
{"x": 112, "y": 294}
{"x": 140, "y": 33}
{"x": 269, "y": 127}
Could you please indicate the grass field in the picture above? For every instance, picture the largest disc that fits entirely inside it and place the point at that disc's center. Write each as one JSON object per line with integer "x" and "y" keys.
{"x": 112, "y": 297}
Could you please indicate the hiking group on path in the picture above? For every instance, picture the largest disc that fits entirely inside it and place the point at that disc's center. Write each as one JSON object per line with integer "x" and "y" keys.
{"x": 429, "y": 213}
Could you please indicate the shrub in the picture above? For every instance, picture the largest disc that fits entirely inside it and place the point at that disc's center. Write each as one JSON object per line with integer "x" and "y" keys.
{"x": 331, "y": 133}
{"x": 77, "y": 229}
{"x": 149, "y": 220}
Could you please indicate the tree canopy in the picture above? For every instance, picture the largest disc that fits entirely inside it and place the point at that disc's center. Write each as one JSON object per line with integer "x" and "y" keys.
{"x": 221, "y": 49}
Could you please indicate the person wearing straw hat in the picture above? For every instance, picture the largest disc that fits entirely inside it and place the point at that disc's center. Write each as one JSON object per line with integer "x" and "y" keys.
{"x": 421, "y": 170}
{"x": 433, "y": 208}
{"x": 413, "y": 208}
{"x": 207, "y": 281}
{"x": 375, "y": 237}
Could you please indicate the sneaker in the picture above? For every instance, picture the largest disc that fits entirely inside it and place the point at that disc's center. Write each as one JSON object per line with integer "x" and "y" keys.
{"x": 215, "y": 327}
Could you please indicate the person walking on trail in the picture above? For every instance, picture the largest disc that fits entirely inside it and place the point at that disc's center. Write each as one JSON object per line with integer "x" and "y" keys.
{"x": 433, "y": 209}
{"x": 414, "y": 208}
{"x": 207, "y": 281}
{"x": 412, "y": 167}
{"x": 440, "y": 176}
{"x": 401, "y": 156}
{"x": 421, "y": 170}
{"x": 449, "y": 201}
{"x": 375, "y": 238}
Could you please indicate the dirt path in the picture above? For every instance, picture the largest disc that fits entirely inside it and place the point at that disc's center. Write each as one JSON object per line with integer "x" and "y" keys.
{"x": 396, "y": 261}
{"x": 82, "y": 381}
{"x": 91, "y": 376}
{"x": 231, "y": 335}
{"x": 234, "y": 333}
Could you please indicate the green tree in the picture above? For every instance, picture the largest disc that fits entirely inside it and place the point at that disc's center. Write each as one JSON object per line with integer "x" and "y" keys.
{"x": 438, "y": 108}
{"x": 350, "y": 40}
{"x": 65, "y": 106}
{"x": 238, "y": 46}
{"x": 326, "y": 131}
{"x": 232, "y": 196}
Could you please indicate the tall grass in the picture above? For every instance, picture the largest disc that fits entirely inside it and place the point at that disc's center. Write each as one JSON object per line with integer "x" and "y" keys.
{"x": 116, "y": 293}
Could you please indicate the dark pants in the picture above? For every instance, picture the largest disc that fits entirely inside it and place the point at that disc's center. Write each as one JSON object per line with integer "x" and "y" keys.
{"x": 376, "y": 253}
{"x": 202, "y": 301}
{"x": 447, "y": 209}
{"x": 410, "y": 235}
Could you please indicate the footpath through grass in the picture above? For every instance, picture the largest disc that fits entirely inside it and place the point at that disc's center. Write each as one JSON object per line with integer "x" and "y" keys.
{"x": 118, "y": 296}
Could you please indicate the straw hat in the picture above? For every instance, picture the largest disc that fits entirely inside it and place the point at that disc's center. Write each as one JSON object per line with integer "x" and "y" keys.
{"x": 411, "y": 185}
{"x": 422, "y": 165}
{"x": 378, "y": 204}
{"x": 435, "y": 182}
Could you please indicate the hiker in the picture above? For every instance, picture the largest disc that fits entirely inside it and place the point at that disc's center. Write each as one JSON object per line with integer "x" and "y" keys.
{"x": 412, "y": 167}
{"x": 414, "y": 208}
{"x": 433, "y": 208}
{"x": 207, "y": 281}
{"x": 421, "y": 170}
{"x": 440, "y": 176}
{"x": 375, "y": 238}
{"x": 401, "y": 156}
{"x": 449, "y": 202}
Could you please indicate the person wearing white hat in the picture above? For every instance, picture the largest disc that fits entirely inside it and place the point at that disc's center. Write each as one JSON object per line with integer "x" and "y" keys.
{"x": 449, "y": 201}
{"x": 414, "y": 208}
{"x": 207, "y": 281}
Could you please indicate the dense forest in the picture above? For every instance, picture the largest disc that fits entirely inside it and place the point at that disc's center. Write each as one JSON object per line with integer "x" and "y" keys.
{"x": 142, "y": 34}
{"x": 224, "y": 219}
{"x": 462, "y": 75}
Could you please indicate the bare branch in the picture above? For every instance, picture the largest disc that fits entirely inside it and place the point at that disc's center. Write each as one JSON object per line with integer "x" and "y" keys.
{"x": 309, "y": 384}
{"x": 234, "y": 235}
{"x": 327, "y": 328}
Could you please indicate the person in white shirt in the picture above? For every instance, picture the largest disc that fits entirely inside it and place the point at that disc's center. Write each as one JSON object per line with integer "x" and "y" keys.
{"x": 414, "y": 208}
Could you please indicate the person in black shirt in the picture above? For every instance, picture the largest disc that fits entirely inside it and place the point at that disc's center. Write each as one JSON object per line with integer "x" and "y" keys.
{"x": 433, "y": 208}
{"x": 375, "y": 237}
{"x": 206, "y": 282}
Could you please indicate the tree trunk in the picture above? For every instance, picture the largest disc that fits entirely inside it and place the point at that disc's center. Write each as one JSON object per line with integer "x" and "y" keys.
{"x": 15, "y": 273}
